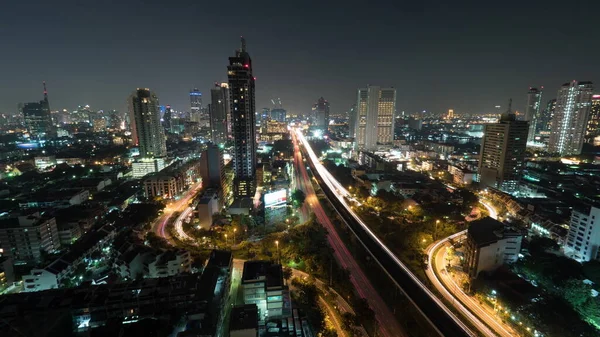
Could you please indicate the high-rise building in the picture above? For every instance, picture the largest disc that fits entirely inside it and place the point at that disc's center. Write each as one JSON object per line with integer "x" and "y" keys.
{"x": 279, "y": 114}
{"x": 583, "y": 239}
{"x": 502, "y": 154}
{"x": 241, "y": 88}
{"x": 450, "y": 114}
{"x": 219, "y": 108}
{"x": 569, "y": 123}
{"x": 321, "y": 113}
{"x": 593, "y": 125}
{"x": 532, "y": 111}
{"x": 195, "y": 105}
{"x": 545, "y": 123}
{"x": 146, "y": 129}
{"x": 375, "y": 117}
{"x": 38, "y": 119}
{"x": 166, "y": 119}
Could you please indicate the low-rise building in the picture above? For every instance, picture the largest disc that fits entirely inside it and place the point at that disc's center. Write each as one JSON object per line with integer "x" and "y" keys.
{"x": 24, "y": 237}
{"x": 489, "y": 245}
{"x": 60, "y": 198}
{"x": 262, "y": 285}
{"x": 583, "y": 239}
{"x": 207, "y": 206}
{"x": 169, "y": 263}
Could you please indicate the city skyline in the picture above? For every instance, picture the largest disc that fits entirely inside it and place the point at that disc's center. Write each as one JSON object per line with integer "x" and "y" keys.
{"x": 85, "y": 60}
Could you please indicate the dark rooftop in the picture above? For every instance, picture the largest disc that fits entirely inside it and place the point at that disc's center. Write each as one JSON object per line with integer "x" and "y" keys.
{"x": 220, "y": 259}
{"x": 244, "y": 317}
{"x": 254, "y": 270}
{"x": 485, "y": 231}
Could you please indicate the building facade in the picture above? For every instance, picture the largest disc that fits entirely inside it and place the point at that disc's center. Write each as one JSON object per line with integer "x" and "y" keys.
{"x": 25, "y": 237}
{"x": 242, "y": 100}
{"x": 219, "y": 111}
{"x": 146, "y": 129}
{"x": 374, "y": 123}
{"x": 502, "y": 154}
{"x": 573, "y": 103}
{"x": 583, "y": 239}
{"x": 593, "y": 126}
{"x": 195, "y": 105}
{"x": 532, "y": 111}
{"x": 37, "y": 117}
{"x": 489, "y": 245}
{"x": 321, "y": 113}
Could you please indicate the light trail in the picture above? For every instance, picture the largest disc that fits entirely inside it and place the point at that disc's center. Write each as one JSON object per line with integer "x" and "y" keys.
{"x": 329, "y": 181}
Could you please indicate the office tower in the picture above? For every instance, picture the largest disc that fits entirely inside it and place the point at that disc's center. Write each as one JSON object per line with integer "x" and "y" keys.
{"x": 38, "y": 120}
{"x": 219, "y": 108}
{"x": 593, "y": 125}
{"x": 195, "y": 105}
{"x": 502, "y": 154}
{"x": 545, "y": 124}
{"x": 321, "y": 113}
{"x": 166, "y": 119}
{"x": 573, "y": 104}
{"x": 583, "y": 238}
{"x": 146, "y": 130}
{"x": 241, "y": 88}
{"x": 279, "y": 114}
{"x": 352, "y": 121}
{"x": 375, "y": 110}
{"x": 532, "y": 111}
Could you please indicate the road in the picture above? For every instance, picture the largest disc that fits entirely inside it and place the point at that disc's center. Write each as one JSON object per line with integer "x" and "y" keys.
{"x": 179, "y": 205}
{"x": 388, "y": 325}
{"x": 485, "y": 321}
{"x": 439, "y": 317}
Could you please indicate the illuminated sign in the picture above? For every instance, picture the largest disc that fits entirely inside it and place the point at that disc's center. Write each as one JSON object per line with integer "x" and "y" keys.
{"x": 275, "y": 198}
{"x": 195, "y": 93}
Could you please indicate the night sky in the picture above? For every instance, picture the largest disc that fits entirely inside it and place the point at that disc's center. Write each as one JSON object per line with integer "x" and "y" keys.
{"x": 439, "y": 54}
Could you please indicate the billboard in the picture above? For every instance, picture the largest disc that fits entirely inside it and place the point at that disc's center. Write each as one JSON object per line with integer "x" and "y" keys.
{"x": 275, "y": 198}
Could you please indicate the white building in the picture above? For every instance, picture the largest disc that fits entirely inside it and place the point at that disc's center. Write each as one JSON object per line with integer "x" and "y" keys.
{"x": 207, "y": 206}
{"x": 489, "y": 245}
{"x": 25, "y": 237}
{"x": 573, "y": 104}
{"x": 375, "y": 110}
{"x": 146, "y": 166}
{"x": 169, "y": 263}
{"x": 583, "y": 240}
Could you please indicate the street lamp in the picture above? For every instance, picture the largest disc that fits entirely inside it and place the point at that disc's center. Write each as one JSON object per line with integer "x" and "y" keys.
{"x": 225, "y": 240}
{"x": 234, "y": 230}
{"x": 277, "y": 247}
{"x": 435, "y": 231}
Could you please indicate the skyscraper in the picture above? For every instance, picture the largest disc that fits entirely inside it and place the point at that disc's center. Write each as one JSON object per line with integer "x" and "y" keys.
{"x": 321, "y": 113}
{"x": 278, "y": 114}
{"x": 573, "y": 104}
{"x": 593, "y": 125}
{"x": 211, "y": 167}
{"x": 544, "y": 125}
{"x": 195, "y": 105}
{"x": 38, "y": 120}
{"x": 502, "y": 154}
{"x": 219, "y": 108}
{"x": 532, "y": 111}
{"x": 241, "y": 88}
{"x": 146, "y": 130}
{"x": 375, "y": 117}
{"x": 450, "y": 114}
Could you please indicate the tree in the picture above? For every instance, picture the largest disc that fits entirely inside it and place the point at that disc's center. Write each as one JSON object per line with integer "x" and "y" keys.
{"x": 298, "y": 198}
{"x": 287, "y": 273}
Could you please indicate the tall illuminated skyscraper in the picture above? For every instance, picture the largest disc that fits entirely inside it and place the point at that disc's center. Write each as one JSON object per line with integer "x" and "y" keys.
{"x": 146, "y": 129}
{"x": 532, "y": 111}
{"x": 241, "y": 88}
{"x": 569, "y": 123}
{"x": 503, "y": 152}
{"x": 195, "y": 105}
{"x": 593, "y": 125}
{"x": 374, "y": 123}
{"x": 219, "y": 109}
{"x": 38, "y": 120}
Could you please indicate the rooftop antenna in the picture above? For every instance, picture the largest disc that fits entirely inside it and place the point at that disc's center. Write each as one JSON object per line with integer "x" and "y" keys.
{"x": 45, "y": 91}
{"x": 243, "y": 44}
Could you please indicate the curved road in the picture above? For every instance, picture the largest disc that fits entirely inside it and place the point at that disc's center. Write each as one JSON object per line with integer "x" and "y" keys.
{"x": 388, "y": 325}
{"x": 453, "y": 292}
{"x": 175, "y": 206}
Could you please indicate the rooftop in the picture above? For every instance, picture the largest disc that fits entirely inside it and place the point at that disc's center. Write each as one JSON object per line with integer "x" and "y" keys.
{"x": 485, "y": 231}
{"x": 244, "y": 317}
{"x": 266, "y": 270}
